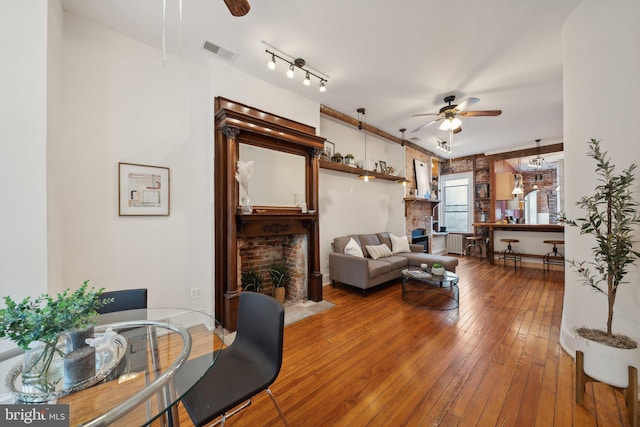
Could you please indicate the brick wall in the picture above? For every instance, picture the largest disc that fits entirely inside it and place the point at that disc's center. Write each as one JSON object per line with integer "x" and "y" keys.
{"x": 261, "y": 252}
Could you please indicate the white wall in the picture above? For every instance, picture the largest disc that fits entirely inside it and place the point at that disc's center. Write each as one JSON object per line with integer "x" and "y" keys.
{"x": 601, "y": 85}
{"x": 23, "y": 167}
{"x": 123, "y": 104}
{"x": 349, "y": 205}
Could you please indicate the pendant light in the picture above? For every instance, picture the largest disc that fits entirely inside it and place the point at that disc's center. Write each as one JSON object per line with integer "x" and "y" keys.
{"x": 403, "y": 181}
{"x": 366, "y": 177}
{"x": 518, "y": 185}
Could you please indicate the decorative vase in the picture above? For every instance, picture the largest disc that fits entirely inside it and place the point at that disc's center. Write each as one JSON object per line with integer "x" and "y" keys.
{"x": 279, "y": 294}
{"x": 77, "y": 337}
{"x": 43, "y": 366}
{"x": 607, "y": 364}
{"x": 246, "y": 207}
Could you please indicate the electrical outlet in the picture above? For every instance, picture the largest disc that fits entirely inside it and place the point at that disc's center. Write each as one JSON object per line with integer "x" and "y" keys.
{"x": 196, "y": 293}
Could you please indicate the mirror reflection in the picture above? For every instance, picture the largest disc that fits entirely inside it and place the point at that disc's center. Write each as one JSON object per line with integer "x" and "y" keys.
{"x": 528, "y": 189}
{"x": 278, "y": 178}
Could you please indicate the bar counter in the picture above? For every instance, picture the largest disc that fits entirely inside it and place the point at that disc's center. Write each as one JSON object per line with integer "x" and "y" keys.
{"x": 529, "y": 246}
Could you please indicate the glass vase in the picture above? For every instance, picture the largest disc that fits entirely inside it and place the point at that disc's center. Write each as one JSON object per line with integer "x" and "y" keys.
{"x": 246, "y": 207}
{"x": 43, "y": 366}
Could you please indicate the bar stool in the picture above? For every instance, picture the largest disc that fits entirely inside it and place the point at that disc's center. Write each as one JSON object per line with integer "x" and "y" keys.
{"x": 510, "y": 254}
{"x": 473, "y": 248}
{"x": 553, "y": 257}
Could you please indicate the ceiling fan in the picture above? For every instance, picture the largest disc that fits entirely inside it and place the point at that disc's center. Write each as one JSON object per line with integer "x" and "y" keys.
{"x": 449, "y": 113}
{"x": 238, "y": 7}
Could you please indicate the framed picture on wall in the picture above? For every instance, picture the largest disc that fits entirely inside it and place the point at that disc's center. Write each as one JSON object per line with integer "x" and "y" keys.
{"x": 383, "y": 165}
{"x": 329, "y": 149}
{"x": 143, "y": 190}
{"x": 482, "y": 191}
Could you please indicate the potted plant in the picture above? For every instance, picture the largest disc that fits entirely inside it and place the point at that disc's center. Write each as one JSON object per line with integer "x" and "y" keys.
{"x": 610, "y": 216}
{"x": 251, "y": 279}
{"x": 280, "y": 277}
{"x": 38, "y": 326}
{"x": 348, "y": 159}
{"x": 337, "y": 158}
{"x": 437, "y": 269}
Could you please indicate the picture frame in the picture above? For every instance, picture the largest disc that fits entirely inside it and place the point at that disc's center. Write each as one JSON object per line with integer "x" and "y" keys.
{"x": 143, "y": 190}
{"x": 329, "y": 149}
{"x": 383, "y": 166}
{"x": 482, "y": 191}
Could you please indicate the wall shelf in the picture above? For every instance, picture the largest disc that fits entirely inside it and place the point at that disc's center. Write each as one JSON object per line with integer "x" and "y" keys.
{"x": 355, "y": 170}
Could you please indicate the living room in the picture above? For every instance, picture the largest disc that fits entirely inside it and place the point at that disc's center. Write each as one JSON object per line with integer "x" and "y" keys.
{"x": 91, "y": 97}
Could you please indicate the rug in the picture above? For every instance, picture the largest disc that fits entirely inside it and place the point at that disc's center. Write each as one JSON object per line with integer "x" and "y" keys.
{"x": 294, "y": 312}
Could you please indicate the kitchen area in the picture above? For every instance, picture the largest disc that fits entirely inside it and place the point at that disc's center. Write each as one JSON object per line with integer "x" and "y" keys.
{"x": 527, "y": 204}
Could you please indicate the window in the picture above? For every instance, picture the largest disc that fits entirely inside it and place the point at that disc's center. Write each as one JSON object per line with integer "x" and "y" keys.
{"x": 456, "y": 202}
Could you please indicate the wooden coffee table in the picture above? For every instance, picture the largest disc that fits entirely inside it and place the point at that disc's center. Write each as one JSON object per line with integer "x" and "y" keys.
{"x": 430, "y": 291}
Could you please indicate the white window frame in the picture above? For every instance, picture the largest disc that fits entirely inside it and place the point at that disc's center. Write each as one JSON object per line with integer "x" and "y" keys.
{"x": 470, "y": 199}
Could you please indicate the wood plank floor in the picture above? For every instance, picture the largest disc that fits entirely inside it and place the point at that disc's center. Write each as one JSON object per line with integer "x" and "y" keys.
{"x": 378, "y": 361}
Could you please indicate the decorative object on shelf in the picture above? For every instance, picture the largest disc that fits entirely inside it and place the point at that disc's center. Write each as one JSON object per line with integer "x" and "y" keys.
{"x": 434, "y": 188}
{"x": 143, "y": 190}
{"x": 362, "y": 117}
{"x": 243, "y": 175}
{"x": 298, "y": 63}
{"x": 389, "y": 170}
{"x": 39, "y": 327}
{"x": 280, "y": 277}
{"x": 611, "y": 216}
{"x": 251, "y": 280}
{"x": 348, "y": 159}
{"x": 437, "y": 269}
{"x": 383, "y": 165}
{"x": 337, "y": 158}
{"x": 329, "y": 149}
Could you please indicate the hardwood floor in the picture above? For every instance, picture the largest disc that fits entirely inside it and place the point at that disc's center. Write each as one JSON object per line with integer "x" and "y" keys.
{"x": 378, "y": 361}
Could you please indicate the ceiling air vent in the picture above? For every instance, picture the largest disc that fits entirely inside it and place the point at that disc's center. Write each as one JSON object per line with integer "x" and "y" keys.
{"x": 219, "y": 51}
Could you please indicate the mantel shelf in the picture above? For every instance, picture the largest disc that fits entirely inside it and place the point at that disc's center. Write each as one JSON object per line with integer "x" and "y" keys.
{"x": 355, "y": 170}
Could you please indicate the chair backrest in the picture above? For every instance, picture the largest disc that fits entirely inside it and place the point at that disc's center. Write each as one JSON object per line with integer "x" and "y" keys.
{"x": 126, "y": 299}
{"x": 260, "y": 329}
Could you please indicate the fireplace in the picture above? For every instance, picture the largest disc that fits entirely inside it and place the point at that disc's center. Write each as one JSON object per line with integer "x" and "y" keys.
{"x": 419, "y": 236}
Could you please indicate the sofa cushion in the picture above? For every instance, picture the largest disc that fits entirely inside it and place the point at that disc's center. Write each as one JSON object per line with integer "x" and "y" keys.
{"x": 339, "y": 243}
{"x": 384, "y": 238}
{"x": 396, "y": 262}
{"x": 378, "y": 251}
{"x": 368, "y": 239}
{"x": 353, "y": 248}
{"x": 399, "y": 244}
{"x": 378, "y": 267}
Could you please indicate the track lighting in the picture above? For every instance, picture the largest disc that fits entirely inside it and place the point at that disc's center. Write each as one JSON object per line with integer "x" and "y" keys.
{"x": 299, "y": 63}
{"x": 444, "y": 146}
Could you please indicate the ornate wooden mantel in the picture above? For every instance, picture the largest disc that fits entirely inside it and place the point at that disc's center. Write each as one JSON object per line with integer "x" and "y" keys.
{"x": 236, "y": 123}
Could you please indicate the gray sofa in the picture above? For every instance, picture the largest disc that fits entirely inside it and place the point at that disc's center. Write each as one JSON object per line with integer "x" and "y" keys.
{"x": 365, "y": 272}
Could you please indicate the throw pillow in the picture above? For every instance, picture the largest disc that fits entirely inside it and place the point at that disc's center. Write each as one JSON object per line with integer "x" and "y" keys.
{"x": 378, "y": 251}
{"x": 353, "y": 248}
{"x": 399, "y": 244}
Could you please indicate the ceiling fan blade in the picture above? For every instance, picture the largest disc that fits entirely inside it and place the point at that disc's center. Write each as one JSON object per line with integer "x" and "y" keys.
{"x": 467, "y": 103}
{"x": 425, "y": 114}
{"x": 238, "y": 7}
{"x": 426, "y": 124}
{"x": 480, "y": 113}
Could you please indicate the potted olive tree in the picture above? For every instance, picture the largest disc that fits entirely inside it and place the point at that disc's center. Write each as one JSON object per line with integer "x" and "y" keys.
{"x": 611, "y": 217}
{"x": 280, "y": 277}
{"x": 39, "y": 325}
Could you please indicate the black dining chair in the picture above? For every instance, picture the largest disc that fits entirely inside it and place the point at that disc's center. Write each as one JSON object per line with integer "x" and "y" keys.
{"x": 244, "y": 369}
{"x": 126, "y": 299}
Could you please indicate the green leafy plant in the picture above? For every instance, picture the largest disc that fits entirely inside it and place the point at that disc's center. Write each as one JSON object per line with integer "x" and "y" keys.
{"x": 610, "y": 215}
{"x": 251, "y": 279}
{"x": 280, "y": 274}
{"x": 348, "y": 156}
{"x": 436, "y": 265}
{"x": 43, "y": 319}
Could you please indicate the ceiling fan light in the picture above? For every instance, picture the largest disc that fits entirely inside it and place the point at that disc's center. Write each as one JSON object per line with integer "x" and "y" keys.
{"x": 290, "y": 71}
{"x": 455, "y": 123}
{"x": 272, "y": 63}
{"x": 446, "y": 125}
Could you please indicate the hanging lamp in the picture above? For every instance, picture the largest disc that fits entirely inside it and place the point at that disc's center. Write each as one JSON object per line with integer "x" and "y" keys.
{"x": 403, "y": 181}
{"x": 362, "y": 117}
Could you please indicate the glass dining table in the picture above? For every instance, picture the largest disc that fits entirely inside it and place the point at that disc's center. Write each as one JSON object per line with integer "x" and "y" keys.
{"x": 154, "y": 344}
